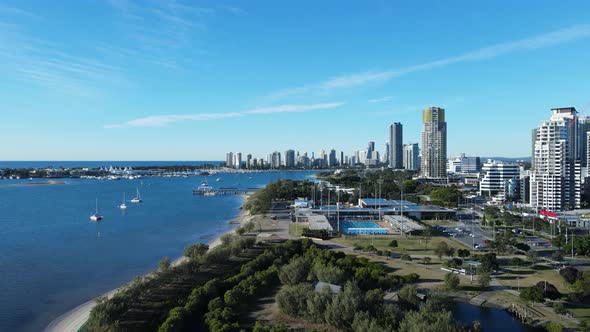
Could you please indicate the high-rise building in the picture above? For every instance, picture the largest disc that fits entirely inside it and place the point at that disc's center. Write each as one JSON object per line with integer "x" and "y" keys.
{"x": 238, "y": 160}
{"x": 332, "y": 158}
{"x": 229, "y": 159}
{"x": 499, "y": 178}
{"x": 290, "y": 158}
{"x": 386, "y": 158}
{"x": 396, "y": 146}
{"x": 249, "y": 161}
{"x": 434, "y": 143}
{"x": 370, "y": 150}
{"x": 411, "y": 158}
{"x": 342, "y": 161}
{"x": 555, "y": 174}
{"x": 582, "y": 143}
{"x": 276, "y": 160}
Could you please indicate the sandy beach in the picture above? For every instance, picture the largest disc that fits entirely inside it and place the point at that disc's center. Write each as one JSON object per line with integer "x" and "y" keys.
{"x": 72, "y": 320}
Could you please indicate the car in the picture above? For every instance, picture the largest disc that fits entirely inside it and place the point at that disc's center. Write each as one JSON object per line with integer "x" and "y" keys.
{"x": 273, "y": 217}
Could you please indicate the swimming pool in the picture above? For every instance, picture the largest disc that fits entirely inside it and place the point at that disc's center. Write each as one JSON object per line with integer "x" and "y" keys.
{"x": 361, "y": 227}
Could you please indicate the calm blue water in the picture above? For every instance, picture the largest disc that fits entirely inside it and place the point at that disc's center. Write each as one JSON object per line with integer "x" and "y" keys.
{"x": 54, "y": 258}
{"x": 96, "y": 164}
{"x": 491, "y": 319}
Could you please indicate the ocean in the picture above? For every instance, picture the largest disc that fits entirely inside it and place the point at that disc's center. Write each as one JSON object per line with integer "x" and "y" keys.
{"x": 54, "y": 258}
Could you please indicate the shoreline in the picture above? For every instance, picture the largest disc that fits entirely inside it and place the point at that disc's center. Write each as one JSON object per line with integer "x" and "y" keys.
{"x": 74, "y": 319}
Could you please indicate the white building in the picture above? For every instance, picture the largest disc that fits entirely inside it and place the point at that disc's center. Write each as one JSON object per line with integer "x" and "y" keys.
{"x": 411, "y": 157}
{"x": 555, "y": 176}
{"x": 498, "y": 177}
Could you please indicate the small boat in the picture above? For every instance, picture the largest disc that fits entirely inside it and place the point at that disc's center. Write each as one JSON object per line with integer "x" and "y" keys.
{"x": 123, "y": 206}
{"x": 96, "y": 216}
{"x": 136, "y": 199}
{"x": 218, "y": 179}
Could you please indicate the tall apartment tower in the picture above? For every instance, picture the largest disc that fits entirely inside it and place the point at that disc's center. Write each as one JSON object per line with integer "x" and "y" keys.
{"x": 582, "y": 143}
{"x": 396, "y": 146}
{"x": 434, "y": 143}
{"x": 411, "y": 157}
{"x": 229, "y": 159}
{"x": 238, "y": 160}
{"x": 290, "y": 158}
{"x": 555, "y": 180}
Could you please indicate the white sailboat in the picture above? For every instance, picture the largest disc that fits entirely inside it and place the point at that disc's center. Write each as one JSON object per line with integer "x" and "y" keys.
{"x": 123, "y": 206}
{"x": 136, "y": 199}
{"x": 96, "y": 216}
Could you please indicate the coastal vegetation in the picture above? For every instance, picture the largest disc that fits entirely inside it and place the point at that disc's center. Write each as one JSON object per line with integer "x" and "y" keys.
{"x": 283, "y": 190}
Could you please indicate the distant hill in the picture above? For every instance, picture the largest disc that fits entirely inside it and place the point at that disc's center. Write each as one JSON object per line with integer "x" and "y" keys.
{"x": 507, "y": 159}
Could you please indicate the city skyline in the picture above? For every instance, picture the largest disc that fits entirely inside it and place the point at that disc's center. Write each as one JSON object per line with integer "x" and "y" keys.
{"x": 174, "y": 74}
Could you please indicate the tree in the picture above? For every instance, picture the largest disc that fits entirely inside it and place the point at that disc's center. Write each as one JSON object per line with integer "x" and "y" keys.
{"x": 429, "y": 320}
{"x": 515, "y": 261}
{"x": 570, "y": 274}
{"x": 451, "y": 281}
{"x": 484, "y": 279}
{"x": 294, "y": 272}
{"x": 584, "y": 325}
{"x": 346, "y": 304}
{"x": 489, "y": 262}
{"x": 441, "y": 249}
{"x": 196, "y": 250}
{"x": 164, "y": 263}
{"x": 532, "y": 294}
{"x": 406, "y": 257}
{"x": 292, "y": 299}
{"x": 559, "y": 308}
{"x": 408, "y": 296}
{"x": 554, "y": 327}
{"x": 426, "y": 260}
{"x": 463, "y": 253}
{"x": 393, "y": 243}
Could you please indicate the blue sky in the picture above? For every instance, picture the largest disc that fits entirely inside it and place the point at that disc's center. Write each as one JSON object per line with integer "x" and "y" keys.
{"x": 188, "y": 80}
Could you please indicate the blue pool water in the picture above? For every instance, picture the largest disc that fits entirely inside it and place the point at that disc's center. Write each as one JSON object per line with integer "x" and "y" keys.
{"x": 54, "y": 258}
{"x": 361, "y": 227}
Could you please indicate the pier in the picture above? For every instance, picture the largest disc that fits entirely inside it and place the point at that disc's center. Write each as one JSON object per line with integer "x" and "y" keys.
{"x": 208, "y": 191}
{"x": 523, "y": 312}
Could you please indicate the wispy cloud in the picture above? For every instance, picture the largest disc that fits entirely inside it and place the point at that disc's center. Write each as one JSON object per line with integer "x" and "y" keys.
{"x": 43, "y": 63}
{"x": 234, "y": 10}
{"x": 161, "y": 31}
{"x": 293, "y": 108}
{"x": 163, "y": 120}
{"x": 380, "y": 100}
{"x": 358, "y": 79}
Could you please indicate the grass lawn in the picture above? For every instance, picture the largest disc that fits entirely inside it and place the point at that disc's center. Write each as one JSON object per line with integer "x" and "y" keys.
{"x": 296, "y": 229}
{"x": 411, "y": 245}
{"x": 528, "y": 277}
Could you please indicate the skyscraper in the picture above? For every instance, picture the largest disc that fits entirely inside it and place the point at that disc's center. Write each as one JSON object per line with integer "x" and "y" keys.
{"x": 249, "y": 161}
{"x": 332, "y": 158}
{"x": 396, "y": 146}
{"x": 411, "y": 157}
{"x": 276, "y": 159}
{"x": 290, "y": 158}
{"x": 582, "y": 144}
{"x": 229, "y": 159}
{"x": 434, "y": 143}
{"x": 238, "y": 160}
{"x": 555, "y": 180}
{"x": 370, "y": 150}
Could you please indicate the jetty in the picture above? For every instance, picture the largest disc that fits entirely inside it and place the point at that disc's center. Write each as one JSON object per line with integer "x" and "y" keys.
{"x": 208, "y": 191}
